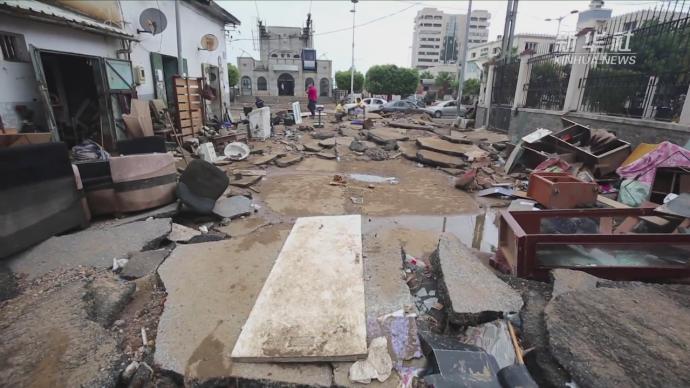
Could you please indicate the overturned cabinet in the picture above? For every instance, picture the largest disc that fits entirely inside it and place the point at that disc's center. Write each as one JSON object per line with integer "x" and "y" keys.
{"x": 597, "y": 241}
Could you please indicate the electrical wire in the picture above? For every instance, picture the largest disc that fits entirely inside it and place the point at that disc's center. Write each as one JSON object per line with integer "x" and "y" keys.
{"x": 344, "y": 28}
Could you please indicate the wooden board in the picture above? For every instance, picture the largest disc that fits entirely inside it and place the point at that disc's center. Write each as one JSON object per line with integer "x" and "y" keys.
{"x": 188, "y": 105}
{"x": 311, "y": 307}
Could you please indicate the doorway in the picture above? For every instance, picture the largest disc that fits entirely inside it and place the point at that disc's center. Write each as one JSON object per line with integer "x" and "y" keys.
{"x": 286, "y": 85}
{"x": 212, "y": 96}
{"x": 74, "y": 96}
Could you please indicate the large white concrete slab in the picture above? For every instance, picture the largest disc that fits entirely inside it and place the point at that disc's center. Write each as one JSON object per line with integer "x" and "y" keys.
{"x": 312, "y": 304}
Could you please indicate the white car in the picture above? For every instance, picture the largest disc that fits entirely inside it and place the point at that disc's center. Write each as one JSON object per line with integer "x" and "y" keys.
{"x": 445, "y": 108}
{"x": 372, "y": 104}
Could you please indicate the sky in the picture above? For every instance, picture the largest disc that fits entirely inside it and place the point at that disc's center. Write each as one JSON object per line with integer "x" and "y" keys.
{"x": 386, "y": 36}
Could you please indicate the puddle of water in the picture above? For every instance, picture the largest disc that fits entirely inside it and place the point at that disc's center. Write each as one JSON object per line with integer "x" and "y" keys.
{"x": 479, "y": 231}
{"x": 374, "y": 178}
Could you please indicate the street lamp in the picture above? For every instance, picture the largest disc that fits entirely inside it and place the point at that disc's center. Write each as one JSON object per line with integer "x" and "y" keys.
{"x": 352, "y": 68}
{"x": 559, "y": 19}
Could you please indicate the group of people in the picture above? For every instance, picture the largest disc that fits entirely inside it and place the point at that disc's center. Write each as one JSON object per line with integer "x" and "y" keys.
{"x": 312, "y": 95}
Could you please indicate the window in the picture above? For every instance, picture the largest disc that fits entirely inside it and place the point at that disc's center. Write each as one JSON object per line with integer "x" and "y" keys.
{"x": 438, "y": 17}
{"x": 13, "y": 47}
{"x": 530, "y": 45}
{"x": 437, "y": 25}
{"x": 261, "y": 83}
{"x": 296, "y": 56}
{"x": 496, "y": 50}
{"x": 274, "y": 55}
{"x": 474, "y": 55}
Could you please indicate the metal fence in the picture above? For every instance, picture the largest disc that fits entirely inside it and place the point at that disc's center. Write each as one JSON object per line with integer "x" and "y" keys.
{"x": 547, "y": 81}
{"x": 505, "y": 81}
{"x": 638, "y": 65}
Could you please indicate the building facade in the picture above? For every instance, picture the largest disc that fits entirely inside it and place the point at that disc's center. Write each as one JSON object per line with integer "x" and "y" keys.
{"x": 287, "y": 64}
{"x": 480, "y": 54}
{"x": 438, "y": 36}
{"x": 71, "y": 68}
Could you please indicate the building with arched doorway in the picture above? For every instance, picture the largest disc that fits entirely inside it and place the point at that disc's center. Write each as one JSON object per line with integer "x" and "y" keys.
{"x": 287, "y": 65}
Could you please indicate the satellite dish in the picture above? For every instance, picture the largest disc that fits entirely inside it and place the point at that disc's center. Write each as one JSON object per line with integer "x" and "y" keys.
{"x": 153, "y": 21}
{"x": 209, "y": 42}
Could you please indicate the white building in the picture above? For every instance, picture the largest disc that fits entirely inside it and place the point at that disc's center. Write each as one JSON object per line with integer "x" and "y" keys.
{"x": 438, "y": 36}
{"x": 70, "y": 67}
{"x": 481, "y": 53}
{"x": 287, "y": 64}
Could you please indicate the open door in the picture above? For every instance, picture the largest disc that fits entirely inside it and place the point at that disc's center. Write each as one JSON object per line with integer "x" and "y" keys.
{"x": 119, "y": 87}
{"x": 43, "y": 92}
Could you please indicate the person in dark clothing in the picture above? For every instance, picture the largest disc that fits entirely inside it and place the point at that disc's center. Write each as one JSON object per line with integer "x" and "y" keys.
{"x": 312, "y": 95}
{"x": 259, "y": 103}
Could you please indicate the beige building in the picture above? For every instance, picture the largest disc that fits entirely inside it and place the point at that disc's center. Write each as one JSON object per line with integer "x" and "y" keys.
{"x": 438, "y": 36}
{"x": 480, "y": 54}
{"x": 287, "y": 64}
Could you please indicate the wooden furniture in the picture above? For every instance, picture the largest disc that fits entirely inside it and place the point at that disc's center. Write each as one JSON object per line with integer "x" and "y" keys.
{"x": 188, "y": 105}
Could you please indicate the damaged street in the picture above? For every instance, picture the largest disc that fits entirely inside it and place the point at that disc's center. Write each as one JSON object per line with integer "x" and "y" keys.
{"x": 169, "y": 219}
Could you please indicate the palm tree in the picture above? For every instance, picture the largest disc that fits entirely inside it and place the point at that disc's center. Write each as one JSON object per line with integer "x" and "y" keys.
{"x": 443, "y": 82}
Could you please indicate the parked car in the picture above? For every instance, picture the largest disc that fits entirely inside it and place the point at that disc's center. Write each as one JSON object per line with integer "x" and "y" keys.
{"x": 445, "y": 108}
{"x": 372, "y": 104}
{"x": 419, "y": 101}
{"x": 401, "y": 106}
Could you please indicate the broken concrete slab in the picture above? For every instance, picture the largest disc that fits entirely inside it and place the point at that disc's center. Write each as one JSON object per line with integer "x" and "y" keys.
{"x": 245, "y": 181}
{"x": 384, "y": 135}
{"x": 331, "y": 142}
{"x": 567, "y": 280}
{"x": 105, "y": 297}
{"x": 264, "y": 159}
{"x": 324, "y": 134}
{"x": 376, "y": 154}
{"x": 144, "y": 263}
{"x": 455, "y": 149}
{"x": 181, "y": 233}
{"x": 624, "y": 337}
{"x": 211, "y": 290}
{"x": 349, "y": 132}
{"x": 433, "y": 158}
{"x": 288, "y": 160}
{"x": 471, "y": 292}
{"x": 48, "y": 339}
{"x": 408, "y": 149}
{"x": 90, "y": 247}
{"x": 361, "y": 146}
{"x": 167, "y": 211}
{"x": 233, "y": 207}
{"x": 312, "y": 146}
{"x": 328, "y": 155}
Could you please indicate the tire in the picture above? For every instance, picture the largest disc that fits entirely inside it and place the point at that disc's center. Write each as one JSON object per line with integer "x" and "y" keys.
{"x": 438, "y": 114}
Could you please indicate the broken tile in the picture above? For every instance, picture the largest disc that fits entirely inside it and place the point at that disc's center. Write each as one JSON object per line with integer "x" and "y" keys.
{"x": 233, "y": 207}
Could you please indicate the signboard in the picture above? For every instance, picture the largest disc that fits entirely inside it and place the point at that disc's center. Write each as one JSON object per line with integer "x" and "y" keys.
{"x": 283, "y": 67}
{"x": 309, "y": 59}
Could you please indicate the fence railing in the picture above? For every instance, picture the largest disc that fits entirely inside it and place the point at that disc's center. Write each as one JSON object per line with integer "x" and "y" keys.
{"x": 547, "y": 82}
{"x": 638, "y": 65}
{"x": 505, "y": 81}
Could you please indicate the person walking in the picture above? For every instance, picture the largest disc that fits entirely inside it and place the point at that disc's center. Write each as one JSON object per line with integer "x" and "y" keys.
{"x": 312, "y": 95}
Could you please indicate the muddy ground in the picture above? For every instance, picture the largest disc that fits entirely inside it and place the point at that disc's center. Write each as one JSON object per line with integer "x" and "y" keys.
{"x": 408, "y": 212}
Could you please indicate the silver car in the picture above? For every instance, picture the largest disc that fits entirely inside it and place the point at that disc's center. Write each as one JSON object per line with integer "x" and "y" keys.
{"x": 445, "y": 108}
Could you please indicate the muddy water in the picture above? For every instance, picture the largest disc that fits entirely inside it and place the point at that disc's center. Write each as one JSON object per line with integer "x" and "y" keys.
{"x": 478, "y": 230}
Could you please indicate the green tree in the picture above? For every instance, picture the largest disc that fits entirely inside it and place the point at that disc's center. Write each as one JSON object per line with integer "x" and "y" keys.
{"x": 342, "y": 80}
{"x": 233, "y": 75}
{"x": 391, "y": 79}
{"x": 443, "y": 81}
{"x": 426, "y": 74}
{"x": 470, "y": 87}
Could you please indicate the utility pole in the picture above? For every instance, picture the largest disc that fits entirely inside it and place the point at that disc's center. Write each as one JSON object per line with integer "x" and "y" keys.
{"x": 180, "y": 66}
{"x": 509, "y": 29}
{"x": 352, "y": 68}
{"x": 463, "y": 63}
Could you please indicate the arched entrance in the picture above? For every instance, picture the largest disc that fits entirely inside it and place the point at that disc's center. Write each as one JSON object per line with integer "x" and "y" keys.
{"x": 324, "y": 87}
{"x": 246, "y": 86}
{"x": 286, "y": 85}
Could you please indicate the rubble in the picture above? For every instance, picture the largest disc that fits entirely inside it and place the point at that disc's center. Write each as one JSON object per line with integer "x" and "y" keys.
{"x": 91, "y": 247}
{"x": 376, "y": 154}
{"x": 181, "y": 233}
{"x": 475, "y": 295}
{"x": 105, "y": 297}
{"x": 48, "y": 337}
{"x": 233, "y": 207}
{"x": 384, "y": 135}
{"x": 567, "y": 280}
{"x": 627, "y": 336}
{"x": 140, "y": 264}
{"x": 433, "y": 158}
{"x": 439, "y": 145}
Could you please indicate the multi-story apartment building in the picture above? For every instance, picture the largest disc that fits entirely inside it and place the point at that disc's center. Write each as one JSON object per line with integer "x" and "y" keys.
{"x": 438, "y": 36}
{"x": 480, "y": 54}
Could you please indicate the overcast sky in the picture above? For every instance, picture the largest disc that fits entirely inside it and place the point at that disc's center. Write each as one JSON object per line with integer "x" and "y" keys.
{"x": 388, "y": 38}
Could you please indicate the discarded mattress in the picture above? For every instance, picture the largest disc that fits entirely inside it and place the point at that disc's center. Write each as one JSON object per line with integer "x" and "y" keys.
{"x": 143, "y": 181}
{"x": 38, "y": 195}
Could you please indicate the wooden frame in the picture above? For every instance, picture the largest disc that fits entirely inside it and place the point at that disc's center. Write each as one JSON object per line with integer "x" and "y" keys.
{"x": 189, "y": 107}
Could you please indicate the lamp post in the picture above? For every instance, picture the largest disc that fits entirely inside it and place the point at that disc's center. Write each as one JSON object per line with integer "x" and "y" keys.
{"x": 463, "y": 61}
{"x": 352, "y": 68}
{"x": 560, "y": 19}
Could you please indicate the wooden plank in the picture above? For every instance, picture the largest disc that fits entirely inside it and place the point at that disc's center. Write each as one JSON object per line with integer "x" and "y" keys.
{"x": 185, "y": 114}
{"x": 311, "y": 307}
{"x": 182, "y": 98}
{"x": 185, "y": 123}
{"x": 658, "y": 221}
